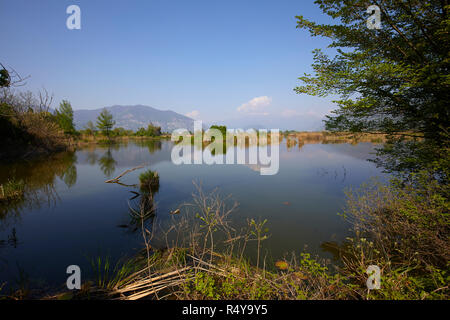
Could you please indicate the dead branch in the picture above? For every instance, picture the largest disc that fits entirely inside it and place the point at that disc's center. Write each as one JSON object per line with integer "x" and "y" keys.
{"x": 116, "y": 179}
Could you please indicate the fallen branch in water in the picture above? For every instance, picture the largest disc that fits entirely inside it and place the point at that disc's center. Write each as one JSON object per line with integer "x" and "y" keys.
{"x": 116, "y": 179}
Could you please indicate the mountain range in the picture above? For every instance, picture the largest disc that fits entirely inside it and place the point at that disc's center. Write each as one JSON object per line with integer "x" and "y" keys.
{"x": 135, "y": 117}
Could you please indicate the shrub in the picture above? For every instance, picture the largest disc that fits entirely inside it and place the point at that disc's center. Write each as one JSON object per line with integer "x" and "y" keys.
{"x": 149, "y": 181}
{"x": 403, "y": 228}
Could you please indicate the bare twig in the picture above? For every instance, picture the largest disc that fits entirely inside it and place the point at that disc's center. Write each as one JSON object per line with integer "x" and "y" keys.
{"x": 116, "y": 179}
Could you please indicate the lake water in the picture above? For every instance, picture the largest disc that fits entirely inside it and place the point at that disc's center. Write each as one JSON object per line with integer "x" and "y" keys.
{"x": 70, "y": 215}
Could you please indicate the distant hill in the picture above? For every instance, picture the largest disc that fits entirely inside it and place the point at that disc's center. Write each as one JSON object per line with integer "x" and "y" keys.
{"x": 135, "y": 117}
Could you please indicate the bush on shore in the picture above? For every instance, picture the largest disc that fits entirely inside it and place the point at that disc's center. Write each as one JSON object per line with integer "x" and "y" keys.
{"x": 403, "y": 228}
{"x": 28, "y": 127}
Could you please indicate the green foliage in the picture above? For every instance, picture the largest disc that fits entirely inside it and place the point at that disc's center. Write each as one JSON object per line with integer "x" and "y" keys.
{"x": 404, "y": 228}
{"x": 209, "y": 219}
{"x": 151, "y": 131}
{"x": 222, "y": 129}
{"x": 5, "y": 79}
{"x": 121, "y": 132}
{"x": 149, "y": 181}
{"x": 108, "y": 276}
{"x": 64, "y": 117}
{"x": 105, "y": 122}
{"x": 27, "y": 131}
{"x": 205, "y": 285}
{"x": 258, "y": 231}
{"x": 392, "y": 80}
{"x": 90, "y": 128}
{"x": 11, "y": 128}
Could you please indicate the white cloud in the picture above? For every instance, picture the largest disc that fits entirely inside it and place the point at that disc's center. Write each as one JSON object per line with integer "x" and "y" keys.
{"x": 255, "y": 105}
{"x": 193, "y": 114}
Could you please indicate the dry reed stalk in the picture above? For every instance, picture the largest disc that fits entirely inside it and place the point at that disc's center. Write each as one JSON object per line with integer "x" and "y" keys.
{"x": 146, "y": 293}
{"x": 152, "y": 285}
{"x": 152, "y": 279}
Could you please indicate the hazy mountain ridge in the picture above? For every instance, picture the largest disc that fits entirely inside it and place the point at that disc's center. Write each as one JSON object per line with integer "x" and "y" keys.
{"x": 135, "y": 117}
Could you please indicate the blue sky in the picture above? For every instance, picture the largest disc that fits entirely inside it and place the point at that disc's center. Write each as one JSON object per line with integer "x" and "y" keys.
{"x": 235, "y": 62}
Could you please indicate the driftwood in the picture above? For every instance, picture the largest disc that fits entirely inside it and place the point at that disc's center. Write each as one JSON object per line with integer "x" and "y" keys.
{"x": 116, "y": 179}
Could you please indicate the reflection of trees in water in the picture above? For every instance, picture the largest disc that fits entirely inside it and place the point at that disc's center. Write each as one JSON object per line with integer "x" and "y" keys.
{"x": 70, "y": 175}
{"x": 151, "y": 145}
{"x": 39, "y": 177}
{"x": 107, "y": 163}
{"x": 92, "y": 157}
{"x": 108, "y": 160}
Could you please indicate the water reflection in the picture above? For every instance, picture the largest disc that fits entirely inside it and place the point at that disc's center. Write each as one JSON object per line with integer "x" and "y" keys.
{"x": 142, "y": 211}
{"x": 300, "y": 202}
{"x": 338, "y": 250}
{"x": 40, "y": 178}
{"x": 142, "y": 207}
{"x": 12, "y": 240}
{"x": 151, "y": 145}
{"x": 292, "y": 141}
{"x": 91, "y": 157}
{"x": 107, "y": 163}
{"x": 117, "y": 155}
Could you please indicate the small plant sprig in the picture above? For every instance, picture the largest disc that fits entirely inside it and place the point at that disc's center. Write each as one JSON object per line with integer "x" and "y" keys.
{"x": 259, "y": 233}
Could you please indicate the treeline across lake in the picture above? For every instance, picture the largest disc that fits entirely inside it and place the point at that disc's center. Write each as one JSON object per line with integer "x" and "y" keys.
{"x": 30, "y": 127}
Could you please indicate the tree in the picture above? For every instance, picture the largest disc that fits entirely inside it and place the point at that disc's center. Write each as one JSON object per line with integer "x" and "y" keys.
{"x": 10, "y": 78}
{"x": 393, "y": 80}
{"x": 90, "y": 128}
{"x": 151, "y": 131}
{"x": 105, "y": 122}
{"x": 64, "y": 117}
